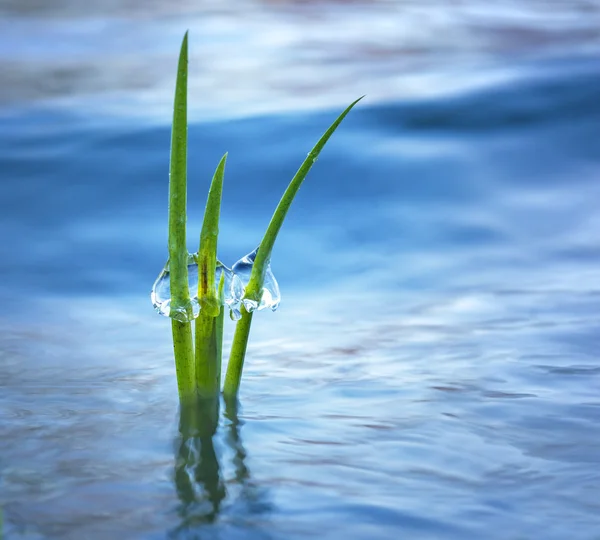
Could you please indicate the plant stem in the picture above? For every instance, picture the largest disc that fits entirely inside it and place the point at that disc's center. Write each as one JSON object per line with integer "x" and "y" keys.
{"x": 233, "y": 377}
{"x": 178, "y": 255}
{"x": 219, "y": 325}
{"x": 209, "y": 336}
{"x": 209, "y": 324}
{"x": 183, "y": 348}
{"x": 255, "y": 285}
{"x": 209, "y": 349}
{"x": 207, "y": 253}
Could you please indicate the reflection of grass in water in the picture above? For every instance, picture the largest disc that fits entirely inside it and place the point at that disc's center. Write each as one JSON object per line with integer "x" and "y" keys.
{"x": 199, "y": 482}
{"x": 199, "y": 369}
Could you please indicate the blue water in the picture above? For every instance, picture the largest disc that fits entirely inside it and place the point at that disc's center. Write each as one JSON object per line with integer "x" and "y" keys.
{"x": 433, "y": 370}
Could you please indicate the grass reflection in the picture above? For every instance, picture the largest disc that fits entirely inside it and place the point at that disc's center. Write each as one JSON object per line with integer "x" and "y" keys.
{"x": 198, "y": 481}
{"x": 211, "y": 472}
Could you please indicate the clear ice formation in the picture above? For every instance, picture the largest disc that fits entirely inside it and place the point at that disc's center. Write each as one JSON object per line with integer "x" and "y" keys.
{"x": 161, "y": 291}
{"x": 271, "y": 297}
{"x": 235, "y": 282}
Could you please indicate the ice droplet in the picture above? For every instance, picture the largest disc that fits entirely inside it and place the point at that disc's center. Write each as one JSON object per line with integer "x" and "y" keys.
{"x": 161, "y": 291}
{"x": 271, "y": 297}
{"x": 235, "y": 314}
{"x": 233, "y": 289}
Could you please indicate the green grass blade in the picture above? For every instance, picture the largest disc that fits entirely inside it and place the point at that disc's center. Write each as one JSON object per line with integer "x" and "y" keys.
{"x": 178, "y": 185}
{"x": 183, "y": 349}
{"x": 255, "y": 285}
{"x": 207, "y": 254}
{"x": 220, "y": 324}
{"x": 209, "y": 350}
{"x": 209, "y": 324}
{"x": 233, "y": 377}
{"x": 263, "y": 256}
{"x": 182, "y": 332}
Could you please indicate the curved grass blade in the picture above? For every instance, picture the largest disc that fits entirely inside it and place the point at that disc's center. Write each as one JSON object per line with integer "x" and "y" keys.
{"x": 255, "y": 285}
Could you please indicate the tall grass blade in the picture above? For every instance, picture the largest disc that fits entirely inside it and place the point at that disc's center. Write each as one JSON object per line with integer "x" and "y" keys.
{"x": 209, "y": 324}
{"x": 180, "y": 297}
{"x": 255, "y": 285}
{"x": 233, "y": 377}
{"x": 207, "y": 254}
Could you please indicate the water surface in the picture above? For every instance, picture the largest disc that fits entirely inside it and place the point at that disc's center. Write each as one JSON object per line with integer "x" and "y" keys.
{"x": 432, "y": 371}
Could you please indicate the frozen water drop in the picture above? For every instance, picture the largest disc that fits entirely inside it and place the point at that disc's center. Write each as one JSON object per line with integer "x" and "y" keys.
{"x": 270, "y": 293}
{"x": 233, "y": 291}
{"x": 250, "y": 304}
{"x": 161, "y": 294}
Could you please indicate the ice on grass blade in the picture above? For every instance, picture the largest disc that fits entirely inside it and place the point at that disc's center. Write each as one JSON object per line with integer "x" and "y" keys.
{"x": 161, "y": 291}
{"x": 161, "y": 294}
{"x": 271, "y": 297}
{"x": 235, "y": 302}
{"x": 233, "y": 290}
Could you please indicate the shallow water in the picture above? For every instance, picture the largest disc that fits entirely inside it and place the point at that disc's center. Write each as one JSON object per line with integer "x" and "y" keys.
{"x": 433, "y": 369}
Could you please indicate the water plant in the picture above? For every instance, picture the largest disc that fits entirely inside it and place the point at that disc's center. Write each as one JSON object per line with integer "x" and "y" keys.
{"x": 198, "y": 287}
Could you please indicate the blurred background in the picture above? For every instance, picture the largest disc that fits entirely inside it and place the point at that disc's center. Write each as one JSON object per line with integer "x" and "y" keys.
{"x": 274, "y": 56}
{"x": 433, "y": 370}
